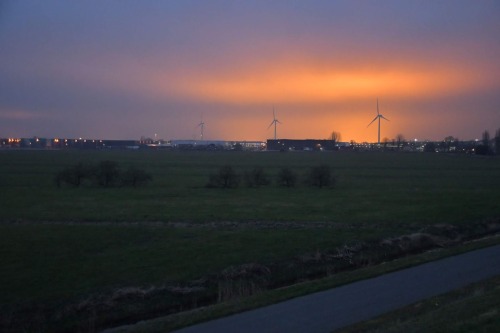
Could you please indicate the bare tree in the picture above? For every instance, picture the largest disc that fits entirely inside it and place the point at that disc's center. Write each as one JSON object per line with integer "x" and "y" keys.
{"x": 484, "y": 147}
{"x": 400, "y": 140}
{"x": 497, "y": 141}
{"x": 135, "y": 177}
{"x": 486, "y": 138}
{"x": 107, "y": 173}
{"x": 335, "y": 137}
{"x": 320, "y": 176}
{"x": 225, "y": 178}
{"x": 74, "y": 175}
{"x": 449, "y": 138}
{"x": 256, "y": 177}
{"x": 286, "y": 177}
{"x": 385, "y": 141}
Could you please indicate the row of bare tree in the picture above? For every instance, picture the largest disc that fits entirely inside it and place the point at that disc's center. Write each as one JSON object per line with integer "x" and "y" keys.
{"x": 227, "y": 177}
{"x": 103, "y": 174}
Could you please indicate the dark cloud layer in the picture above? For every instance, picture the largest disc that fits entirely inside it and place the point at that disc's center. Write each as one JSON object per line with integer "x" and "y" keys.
{"x": 122, "y": 69}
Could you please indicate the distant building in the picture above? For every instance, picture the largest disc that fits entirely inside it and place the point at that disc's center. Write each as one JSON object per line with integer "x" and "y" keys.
{"x": 306, "y": 144}
{"x": 144, "y": 143}
{"x": 216, "y": 145}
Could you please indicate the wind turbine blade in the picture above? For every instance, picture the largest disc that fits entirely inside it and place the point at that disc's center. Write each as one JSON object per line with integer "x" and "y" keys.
{"x": 377, "y": 107}
{"x": 372, "y": 121}
{"x": 384, "y": 118}
{"x": 279, "y": 122}
{"x": 272, "y": 122}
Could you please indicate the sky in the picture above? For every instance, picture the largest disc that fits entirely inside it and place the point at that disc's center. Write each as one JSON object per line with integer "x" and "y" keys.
{"x": 125, "y": 69}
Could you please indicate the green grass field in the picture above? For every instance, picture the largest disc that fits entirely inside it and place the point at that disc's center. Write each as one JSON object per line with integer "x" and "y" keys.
{"x": 371, "y": 188}
{"x": 59, "y": 246}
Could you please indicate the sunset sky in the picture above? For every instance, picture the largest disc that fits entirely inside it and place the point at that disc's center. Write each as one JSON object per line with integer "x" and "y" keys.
{"x": 126, "y": 69}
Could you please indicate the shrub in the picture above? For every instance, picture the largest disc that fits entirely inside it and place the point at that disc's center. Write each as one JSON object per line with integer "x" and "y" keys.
{"x": 135, "y": 177}
{"x": 73, "y": 175}
{"x": 65, "y": 176}
{"x": 320, "y": 176}
{"x": 244, "y": 280}
{"x": 104, "y": 174}
{"x": 225, "y": 178}
{"x": 256, "y": 177}
{"x": 286, "y": 177}
{"x": 107, "y": 173}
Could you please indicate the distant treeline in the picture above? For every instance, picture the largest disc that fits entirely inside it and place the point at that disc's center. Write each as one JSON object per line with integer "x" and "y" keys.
{"x": 227, "y": 177}
{"x": 103, "y": 174}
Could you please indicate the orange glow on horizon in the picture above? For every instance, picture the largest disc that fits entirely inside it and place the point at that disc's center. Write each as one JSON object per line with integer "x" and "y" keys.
{"x": 297, "y": 84}
{"x": 302, "y": 126}
{"x": 311, "y": 100}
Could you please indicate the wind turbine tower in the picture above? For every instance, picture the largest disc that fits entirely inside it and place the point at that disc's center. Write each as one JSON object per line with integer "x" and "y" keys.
{"x": 274, "y": 122}
{"x": 378, "y": 117}
{"x": 201, "y": 125}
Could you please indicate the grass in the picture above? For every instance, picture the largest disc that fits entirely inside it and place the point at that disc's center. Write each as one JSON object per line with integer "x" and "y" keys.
{"x": 371, "y": 188}
{"x": 71, "y": 260}
{"x": 176, "y": 321}
{"x": 61, "y": 246}
{"x": 51, "y": 267}
{"x": 473, "y": 309}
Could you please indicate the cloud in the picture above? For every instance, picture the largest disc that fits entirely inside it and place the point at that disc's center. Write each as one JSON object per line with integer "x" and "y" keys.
{"x": 18, "y": 115}
{"x": 104, "y": 70}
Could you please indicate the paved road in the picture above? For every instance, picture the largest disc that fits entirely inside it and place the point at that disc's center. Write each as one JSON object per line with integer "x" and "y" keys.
{"x": 325, "y": 311}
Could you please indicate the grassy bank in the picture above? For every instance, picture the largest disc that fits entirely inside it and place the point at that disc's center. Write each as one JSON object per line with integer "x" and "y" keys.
{"x": 176, "y": 321}
{"x": 475, "y": 308}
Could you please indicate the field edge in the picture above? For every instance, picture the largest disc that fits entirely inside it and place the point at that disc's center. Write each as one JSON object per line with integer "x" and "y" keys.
{"x": 192, "y": 317}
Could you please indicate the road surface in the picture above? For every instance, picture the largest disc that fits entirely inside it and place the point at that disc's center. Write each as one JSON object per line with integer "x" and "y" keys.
{"x": 328, "y": 310}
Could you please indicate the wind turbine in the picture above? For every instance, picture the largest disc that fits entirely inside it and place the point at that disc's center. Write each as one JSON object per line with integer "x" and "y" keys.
{"x": 379, "y": 116}
{"x": 275, "y": 121}
{"x": 201, "y": 125}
